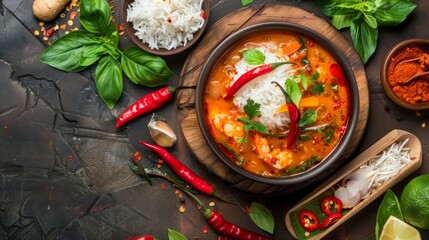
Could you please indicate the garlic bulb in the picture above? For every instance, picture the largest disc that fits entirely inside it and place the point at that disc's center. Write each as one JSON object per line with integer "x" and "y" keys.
{"x": 161, "y": 133}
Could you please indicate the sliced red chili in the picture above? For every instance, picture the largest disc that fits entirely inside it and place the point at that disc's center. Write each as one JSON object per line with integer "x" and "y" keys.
{"x": 308, "y": 220}
{"x": 331, "y": 219}
{"x": 331, "y": 205}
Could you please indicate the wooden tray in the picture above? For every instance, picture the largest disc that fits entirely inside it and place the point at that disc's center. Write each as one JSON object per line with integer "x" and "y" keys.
{"x": 220, "y": 30}
{"x": 392, "y": 137}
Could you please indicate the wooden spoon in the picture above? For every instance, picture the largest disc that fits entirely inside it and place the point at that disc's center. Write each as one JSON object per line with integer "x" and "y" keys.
{"x": 419, "y": 73}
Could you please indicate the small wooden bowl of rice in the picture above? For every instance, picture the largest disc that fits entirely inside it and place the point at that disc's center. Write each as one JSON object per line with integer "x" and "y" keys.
{"x": 165, "y": 27}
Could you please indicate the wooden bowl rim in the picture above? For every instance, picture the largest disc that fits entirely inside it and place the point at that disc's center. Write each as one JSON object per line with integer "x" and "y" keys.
{"x": 162, "y": 51}
{"x": 384, "y": 68}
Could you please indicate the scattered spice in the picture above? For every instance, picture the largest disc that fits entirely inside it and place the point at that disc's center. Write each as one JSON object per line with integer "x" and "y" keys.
{"x": 182, "y": 209}
{"x": 36, "y": 32}
{"x": 212, "y": 204}
{"x": 205, "y": 229}
{"x": 162, "y": 186}
{"x": 417, "y": 90}
{"x": 423, "y": 125}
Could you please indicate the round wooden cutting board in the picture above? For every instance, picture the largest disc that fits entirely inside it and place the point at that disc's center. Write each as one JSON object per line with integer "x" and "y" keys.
{"x": 220, "y": 30}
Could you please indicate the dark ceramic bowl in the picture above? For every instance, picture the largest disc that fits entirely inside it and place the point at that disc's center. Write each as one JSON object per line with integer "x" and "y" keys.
{"x": 161, "y": 51}
{"x": 424, "y": 45}
{"x": 311, "y": 174}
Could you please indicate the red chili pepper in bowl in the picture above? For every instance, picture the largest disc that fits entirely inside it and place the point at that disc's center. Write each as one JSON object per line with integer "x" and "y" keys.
{"x": 308, "y": 220}
{"x": 252, "y": 74}
{"x": 223, "y": 227}
{"x": 146, "y": 104}
{"x": 183, "y": 172}
{"x": 331, "y": 205}
{"x": 331, "y": 219}
{"x": 294, "y": 116}
{"x": 338, "y": 73}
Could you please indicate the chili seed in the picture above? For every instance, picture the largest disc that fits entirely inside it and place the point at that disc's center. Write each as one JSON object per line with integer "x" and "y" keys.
{"x": 307, "y": 234}
{"x": 182, "y": 209}
{"x": 36, "y": 32}
{"x": 212, "y": 204}
{"x": 176, "y": 192}
{"x": 70, "y": 22}
{"x": 423, "y": 125}
{"x": 62, "y": 15}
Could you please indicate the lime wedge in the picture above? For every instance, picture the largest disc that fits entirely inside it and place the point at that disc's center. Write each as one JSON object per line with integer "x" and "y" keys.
{"x": 396, "y": 229}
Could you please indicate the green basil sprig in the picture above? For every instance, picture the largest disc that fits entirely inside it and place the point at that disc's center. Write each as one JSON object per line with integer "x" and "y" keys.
{"x": 99, "y": 41}
{"x": 262, "y": 217}
{"x": 254, "y": 57}
{"x": 364, "y": 18}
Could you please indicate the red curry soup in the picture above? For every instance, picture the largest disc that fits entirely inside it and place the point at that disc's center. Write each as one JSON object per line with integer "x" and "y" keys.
{"x": 277, "y": 103}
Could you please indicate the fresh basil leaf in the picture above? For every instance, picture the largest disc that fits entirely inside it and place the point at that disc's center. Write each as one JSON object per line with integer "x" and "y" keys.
{"x": 317, "y": 88}
{"x": 304, "y": 80}
{"x": 364, "y": 38}
{"x": 108, "y": 80}
{"x": 370, "y": 20}
{"x": 246, "y": 2}
{"x": 389, "y": 207}
{"x": 262, "y": 217}
{"x": 294, "y": 91}
{"x": 95, "y": 15}
{"x": 309, "y": 117}
{"x": 342, "y": 21}
{"x": 67, "y": 52}
{"x": 393, "y": 12}
{"x": 254, "y": 57}
{"x": 112, "y": 33}
{"x": 175, "y": 235}
{"x": 329, "y": 7}
{"x": 144, "y": 68}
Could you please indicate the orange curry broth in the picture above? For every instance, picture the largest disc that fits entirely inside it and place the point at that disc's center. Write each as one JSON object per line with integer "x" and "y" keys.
{"x": 320, "y": 60}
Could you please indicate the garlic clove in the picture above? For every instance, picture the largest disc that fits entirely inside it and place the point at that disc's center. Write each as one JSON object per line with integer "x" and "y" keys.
{"x": 161, "y": 133}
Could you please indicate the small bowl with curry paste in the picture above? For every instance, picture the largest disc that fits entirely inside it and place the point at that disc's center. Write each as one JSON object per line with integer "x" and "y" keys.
{"x": 277, "y": 103}
{"x": 405, "y": 74}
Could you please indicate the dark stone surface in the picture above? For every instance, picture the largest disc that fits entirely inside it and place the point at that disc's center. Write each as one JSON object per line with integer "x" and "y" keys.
{"x": 63, "y": 165}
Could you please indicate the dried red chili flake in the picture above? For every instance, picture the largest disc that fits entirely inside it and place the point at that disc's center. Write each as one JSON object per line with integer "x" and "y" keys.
{"x": 203, "y": 14}
{"x": 136, "y": 157}
{"x": 50, "y": 32}
{"x": 162, "y": 186}
{"x": 73, "y": 15}
{"x": 169, "y": 19}
{"x": 205, "y": 229}
{"x": 70, "y": 157}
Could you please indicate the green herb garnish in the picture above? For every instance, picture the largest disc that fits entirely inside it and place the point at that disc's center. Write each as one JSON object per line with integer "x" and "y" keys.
{"x": 293, "y": 90}
{"x": 389, "y": 207}
{"x": 252, "y": 110}
{"x": 317, "y": 88}
{"x": 246, "y": 2}
{"x": 254, "y": 57}
{"x": 364, "y": 18}
{"x": 309, "y": 117}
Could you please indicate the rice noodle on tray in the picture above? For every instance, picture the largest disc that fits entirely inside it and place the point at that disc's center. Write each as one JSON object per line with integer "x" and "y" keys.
{"x": 165, "y": 23}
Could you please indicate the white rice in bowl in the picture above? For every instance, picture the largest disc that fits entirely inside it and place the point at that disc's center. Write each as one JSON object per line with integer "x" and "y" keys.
{"x": 166, "y": 23}
{"x": 262, "y": 91}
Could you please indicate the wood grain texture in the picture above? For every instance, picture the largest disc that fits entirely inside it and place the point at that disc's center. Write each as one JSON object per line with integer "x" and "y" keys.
{"x": 220, "y": 30}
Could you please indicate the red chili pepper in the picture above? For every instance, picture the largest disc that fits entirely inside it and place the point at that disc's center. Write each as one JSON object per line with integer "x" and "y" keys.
{"x": 143, "y": 237}
{"x": 49, "y": 32}
{"x": 308, "y": 220}
{"x": 223, "y": 227}
{"x": 203, "y": 14}
{"x": 294, "y": 116}
{"x": 331, "y": 219}
{"x": 331, "y": 205}
{"x": 252, "y": 74}
{"x": 184, "y": 172}
{"x": 338, "y": 74}
{"x": 146, "y": 104}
